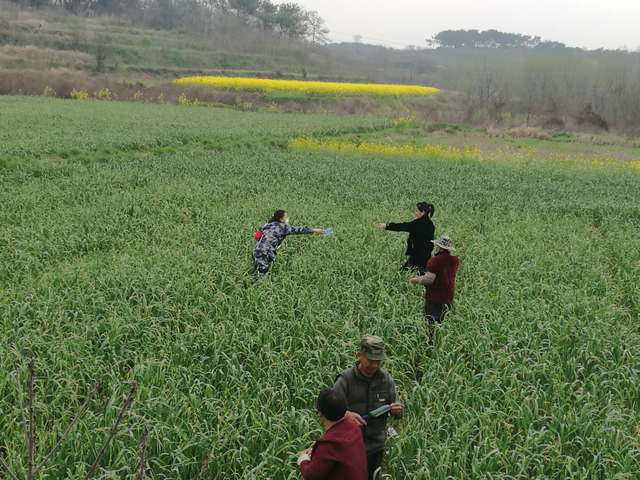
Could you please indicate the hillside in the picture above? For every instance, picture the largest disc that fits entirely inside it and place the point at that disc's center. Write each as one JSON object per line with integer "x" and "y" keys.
{"x": 41, "y": 39}
{"x": 546, "y": 86}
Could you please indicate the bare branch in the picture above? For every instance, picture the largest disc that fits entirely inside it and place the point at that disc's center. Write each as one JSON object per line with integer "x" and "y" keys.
{"x": 205, "y": 465}
{"x": 31, "y": 445}
{"x": 5, "y": 466}
{"x": 143, "y": 448}
{"x": 125, "y": 406}
{"x": 23, "y": 424}
{"x": 78, "y": 416}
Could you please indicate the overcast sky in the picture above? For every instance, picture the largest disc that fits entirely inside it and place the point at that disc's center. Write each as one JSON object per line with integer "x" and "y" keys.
{"x": 399, "y": 23}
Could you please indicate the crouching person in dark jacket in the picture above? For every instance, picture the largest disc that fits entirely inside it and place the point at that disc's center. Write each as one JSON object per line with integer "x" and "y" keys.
{"x": 367, "y": 387}
{"x": 339, "y": 454}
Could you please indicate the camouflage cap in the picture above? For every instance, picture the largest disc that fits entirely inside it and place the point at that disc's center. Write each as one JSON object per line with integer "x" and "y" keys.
{"x": 444, "y": 242}
{"x": 372, "y": 347}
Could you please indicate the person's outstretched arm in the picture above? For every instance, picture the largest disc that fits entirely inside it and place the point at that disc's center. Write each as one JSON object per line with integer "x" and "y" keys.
{"x": 397, "y": 227}
{"x": 303, "y": 230}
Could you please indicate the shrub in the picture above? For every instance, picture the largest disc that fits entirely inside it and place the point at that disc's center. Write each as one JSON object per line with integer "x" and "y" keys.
{"x": 588, "y": 118}
{"x": 104, "y": 94}
{"x": 406, "y": 122}
{"x": 563, "y": 137}
{"x": 49, "y": 92}
{"x": 444, "y": 127}
{"x": 79, "y": 94}
{"x": 183, "y": 99}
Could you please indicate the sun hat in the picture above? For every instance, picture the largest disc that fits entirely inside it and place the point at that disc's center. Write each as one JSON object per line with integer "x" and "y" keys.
{"x": 444, "y": 242}
{"x": 372, "y": 347}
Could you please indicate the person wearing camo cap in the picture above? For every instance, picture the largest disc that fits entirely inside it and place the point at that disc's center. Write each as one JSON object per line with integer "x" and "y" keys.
{"x": 367, "y": 387}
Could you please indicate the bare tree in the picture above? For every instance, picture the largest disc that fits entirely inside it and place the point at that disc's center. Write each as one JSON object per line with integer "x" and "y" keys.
{"x": 317, "y": 30}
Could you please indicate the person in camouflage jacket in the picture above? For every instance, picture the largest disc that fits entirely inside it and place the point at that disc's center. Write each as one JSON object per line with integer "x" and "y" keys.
{"x": 271, "y": 236}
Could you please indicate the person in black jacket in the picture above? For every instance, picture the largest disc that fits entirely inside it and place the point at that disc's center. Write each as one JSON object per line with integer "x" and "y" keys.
{"x": 421, "y": 233}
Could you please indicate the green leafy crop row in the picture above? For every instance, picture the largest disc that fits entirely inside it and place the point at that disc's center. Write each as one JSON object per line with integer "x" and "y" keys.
{"x": 134, "y": 268}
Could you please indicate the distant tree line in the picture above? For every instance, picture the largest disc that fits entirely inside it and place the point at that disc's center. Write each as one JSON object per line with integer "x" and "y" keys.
{"x": 287, "y": 19}
{"x": 488, "y": 39}
{"x": 597, "y": 89}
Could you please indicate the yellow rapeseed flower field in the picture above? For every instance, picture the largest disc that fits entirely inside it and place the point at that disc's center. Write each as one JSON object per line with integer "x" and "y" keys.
{"x": 392, "y": 150}
{"x": 448, "y": 152}
{"x": 333, "y": 88}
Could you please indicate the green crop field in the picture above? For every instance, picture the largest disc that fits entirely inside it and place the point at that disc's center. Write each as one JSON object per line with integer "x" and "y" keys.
{"x": 125, "y": 241}
{"x": 36, "y": 127}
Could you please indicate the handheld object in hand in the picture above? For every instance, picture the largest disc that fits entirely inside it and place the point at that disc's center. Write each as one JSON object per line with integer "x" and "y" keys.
{"x": 378, "y": 412}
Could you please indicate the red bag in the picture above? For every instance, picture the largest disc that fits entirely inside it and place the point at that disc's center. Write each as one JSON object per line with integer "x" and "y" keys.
{"x": 257, "y": 235}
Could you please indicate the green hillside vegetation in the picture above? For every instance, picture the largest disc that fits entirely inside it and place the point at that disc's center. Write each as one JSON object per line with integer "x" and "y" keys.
{"x": 130, "y": 51}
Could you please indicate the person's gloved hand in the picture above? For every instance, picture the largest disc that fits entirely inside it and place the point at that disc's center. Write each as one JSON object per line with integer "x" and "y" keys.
{"x": 304, "y": 456}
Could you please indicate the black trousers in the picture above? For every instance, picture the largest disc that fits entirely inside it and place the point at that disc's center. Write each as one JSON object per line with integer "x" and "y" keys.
{"x": 417, "y": 264}
{"x": 374, "y": 460}
{"x": 434, "y": 313}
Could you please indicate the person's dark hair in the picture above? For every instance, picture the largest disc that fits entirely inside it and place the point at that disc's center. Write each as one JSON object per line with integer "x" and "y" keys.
{"x": 278, "y": 215}
{"x": 427, "y": 208}
{"x": 331, "y": 404}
